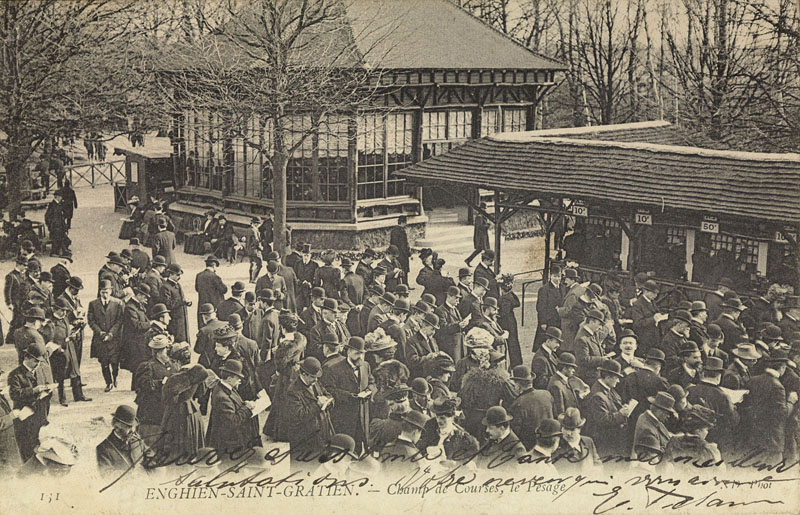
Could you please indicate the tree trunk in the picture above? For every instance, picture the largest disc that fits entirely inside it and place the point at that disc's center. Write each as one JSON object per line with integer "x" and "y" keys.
{"x": 279, "y": 161}
{"x": 16, "y": 172}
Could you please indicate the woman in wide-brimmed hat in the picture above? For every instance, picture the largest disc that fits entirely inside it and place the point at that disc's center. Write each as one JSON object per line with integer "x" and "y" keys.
{"x": 698, "y": 420}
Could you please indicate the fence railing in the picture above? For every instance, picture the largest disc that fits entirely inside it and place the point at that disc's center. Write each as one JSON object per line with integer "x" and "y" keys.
{"x": 96, "y": 173}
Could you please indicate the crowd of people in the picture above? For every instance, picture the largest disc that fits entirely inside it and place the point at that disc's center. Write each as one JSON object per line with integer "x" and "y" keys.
{"x": 348, "y": 365}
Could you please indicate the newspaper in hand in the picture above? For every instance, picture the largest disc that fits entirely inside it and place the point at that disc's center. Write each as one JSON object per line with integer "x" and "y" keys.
{"x": 24, "y": 413}
{"x": 735, "y": 396}
{"x": 261, "y": 403}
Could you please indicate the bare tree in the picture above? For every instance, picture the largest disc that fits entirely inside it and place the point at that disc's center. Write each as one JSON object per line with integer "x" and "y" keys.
{"x": 289, "y": 67}
{"x": 65, "y": 66}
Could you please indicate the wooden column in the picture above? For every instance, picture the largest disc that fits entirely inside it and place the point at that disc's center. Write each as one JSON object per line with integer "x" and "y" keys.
{"x": 352, "y": 166}
{"x": 416, "y": 148}
{"x": 497, "y": 231}
{"x": 547, "y": 237}
{"x": 689, "y": 252}
{"x": 624, "y": 250}
{"x": 761, "y": 264}
{"x": 477, "y": 124}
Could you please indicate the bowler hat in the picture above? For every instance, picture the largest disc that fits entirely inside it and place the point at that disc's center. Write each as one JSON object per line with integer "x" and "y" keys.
{"x": 746, "y": 351}
{"x": 235, "y": 320}
{"x": 453, "y": 291}
{"x": 344, "y": 443}
{"x": 311, "y": 366}
{"x": 266, "y": 294}
{"x": 330, "y": 339}
{"x": 725, "y": 281}
{"x": 443, "y": 363}
{"x": 778, "y": 356}
{"x": 159, "y": 261}
{"x": 249, "y": 297}
{"x": 61, "y": 303}
{"x": 159, "y": 341}
{"x": 238, "y": 287}
{"x": 273, "y": 256}
{"x": 36, "y": 350}
{"x": 401, "y": 305}
{"x": 207, "y": 308}
{"x": 445, "y": 405}
{"x": 714, "y": 331}
{"x": 226, "y": 332}
{"x": 428, "y": 299}
{"x": 379, "y": 270}
{"x": 553, "y": 333}
{"x": 393, "y": 250}
{"x": 610, "y": 366}
{"x": 212, "y": 259}
{"x": 75, "y": 282}
{"x": 595, "y": 314}
{"x": 143, "y": 289}
{"x": 481, "y": 281}
{"x": 663, "y": 401}
{"x": 571, "y": 419}
{"x": 401, "y": 290}
{"x": 568, "y": 359}
{"x": 158, "y": 310}
{"x": 126, "y": 254}
{"x": 111, "y": 254}
{"x": 713, "y": 364}
{"x": 677, "y": 392}
{"x": 421, "y": 307}
{"x": 125, "y": 414}
{"x": 232, "y": 366}
{"x": 571, "y": 273}
{"x": 489, "y": 302}
{"x": 596, "y": 289}
{"x": 424, "y": 253}
{"x": 464, "y": 272}
{"x": 317, "y": 292}
{"x": 272, "y": 267}
{"x": 34, "y": 265}
{"x": 521, "y": 373}
{"x": 734, "y": 303}
{"x": 772, "y": 333}
{"x": 330, "y": 305}
{"x": 375, "y": 289}
{"x": 628, "y": 333}
{"x": 548, "y": 428}
{"x": 496, "y": 415}
{"x": 46, "y": 277}
{"x": 35, "y": 313}
{"x": 650, "y": 285}
{"x": 698, "y": 305}
{"x": 397, "y": 393}
{"x": 432, "y": 319}
{"x": 356, "y": 343}
{"x": 689, "y": 347}
{"x": 684, "y": 305}
{"x": 420, "y": 386}
{"x": 346, "y": 263}
{"x": 388, "y": 298}
{"x": 416, "y": 419}
{"x": 174, "y": 268}
{"x": 105, "y": 284}
{"x": 683, "y": 316}
{"x": 488, "y": 254}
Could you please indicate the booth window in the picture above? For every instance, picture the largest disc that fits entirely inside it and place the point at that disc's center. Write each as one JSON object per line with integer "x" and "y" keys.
{"x": 399, "y": 130}
{"x": 443, "y": 130}
{"x": 370, "y": 146}
{"x": 299, "y": 169}
{"x": 332, "y": 158}
{"x": 503, "y": 119}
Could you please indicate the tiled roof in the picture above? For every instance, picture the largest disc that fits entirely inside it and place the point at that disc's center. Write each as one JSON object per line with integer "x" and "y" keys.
{"x": 747, "y": 184}
{"x": 659, "y": 132}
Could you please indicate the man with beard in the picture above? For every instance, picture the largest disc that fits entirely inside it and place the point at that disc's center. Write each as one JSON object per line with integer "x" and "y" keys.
{"x": 688, "y": 372}
{"x": 350, "y": 382}
{"x": 310, "y": 425}
{"x": 123, "y": 449}
{"x": 328, "y": 324}
{"x": 564, "y": 396}
{"x": 383, "y": 431}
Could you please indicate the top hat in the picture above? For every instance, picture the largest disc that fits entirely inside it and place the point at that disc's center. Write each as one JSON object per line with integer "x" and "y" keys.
{"x": 496, "y": 415}
{"x": 554, "y": 333}
{"x": 683, "y": 316}
{"x": 432, "y": 319}
{"x": 611, "y": 366}
{"x": 159, "y": 341}
{"x": 330, "y": 304}
{"x": 420, "y": 386}
{"x": 627, "y": 333}
{"x": 595, "y": 314}
{"x": 212, "y": 259}
{"x": 746, "y": 351}
{"x": 415, "y": 418}
{"x": 571, "y": 273}
{"x": 663, "y": 401}
{"x": 713, "y": 364}
{"x": 158, "y": 310}
{"x": 521, "y": 373}
{"x": 548, "y": 428}
{"x": 571, "y": 419}
{"x": 489, "y": 302}
{"x": 445, "y": 405}
{"x": 567, "y": 358}
{"x": 75, "y": 282}
{"x": 698, "y": 305}
{"x": 356, "y": 343}
{"x": 238, "y": 287}
{"x": 125, "y": 414}
{"x": 481, "y": 281}
{"x": 311, "y": 366}
{"x": 144, "y": 289}
{"x": 159, "y": 260}
{"x": 207, "y": 308}
{"x": 232, "y": 366}
{"x": 105, "y": 284}
{"x": 650, "y": 285}
{"x": 453, "y": 291}
{"x": 305, "y": 248}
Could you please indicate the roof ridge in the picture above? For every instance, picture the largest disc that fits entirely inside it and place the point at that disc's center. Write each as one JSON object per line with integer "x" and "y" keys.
{"x": 460, "y": 8}
{"x": 589, "y": 129}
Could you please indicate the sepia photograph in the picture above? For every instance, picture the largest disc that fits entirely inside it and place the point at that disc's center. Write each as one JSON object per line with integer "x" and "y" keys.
{"x": 400, "y": 256}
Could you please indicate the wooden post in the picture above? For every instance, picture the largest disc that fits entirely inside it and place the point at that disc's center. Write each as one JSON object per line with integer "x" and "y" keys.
{"x": 689, "y": 252}
{"x": 547, "y": 236}
{"x": 497, "y": 231}
{"x": 352, "y": 166}
{"x": 624, "y": 251}
{"x": 477, "y": 124}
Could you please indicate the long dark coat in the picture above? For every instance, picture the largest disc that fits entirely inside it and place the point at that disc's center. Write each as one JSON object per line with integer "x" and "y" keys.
{"x": 135, "y": 325}
{"x": 9, "y": 450}
{"x": 114, "y": 455}
{"x": 149, "y": 384}
{"x": 480, "y": 235}
{"x": 106, "y": 320}
{"x": 644, "y": 325}
{"x": 450, "y": 335}
{"x": 480, "y": 390}
{"x": 210, "y": 289}
{"x": 640, "y": 385}
{"x": 399, "y": 238}
{"x": 328, "y": 278}
{"x": 547, "y": 300}
{"x": 310, "y": 428}
{"x": 529, "y": 409}
{"x": 507, "y": 320}
{"x": 182, "y": 425}
{"x": 228, "y": 425}
{"x": 724, "y": 432}
{"x": 350, "y": 415}
{"x": 164, "y": 245}
{"x": 172, "y": 297}
{"x": 70, "y": 367}
{"x": 21, "y": 383}
{"x": 763, "y": 417}
{"x": 604, "y": 422}
{"x": 280, "y": 373}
